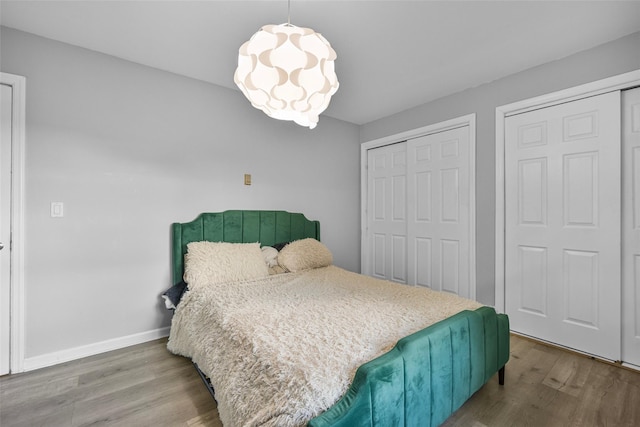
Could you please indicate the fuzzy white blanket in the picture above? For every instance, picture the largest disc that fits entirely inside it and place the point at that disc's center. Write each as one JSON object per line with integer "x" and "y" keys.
{"x": 281, "y": 350}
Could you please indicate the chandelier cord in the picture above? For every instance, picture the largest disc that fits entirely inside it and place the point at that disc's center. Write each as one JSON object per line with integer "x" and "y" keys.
{"x": 289, "y": 13}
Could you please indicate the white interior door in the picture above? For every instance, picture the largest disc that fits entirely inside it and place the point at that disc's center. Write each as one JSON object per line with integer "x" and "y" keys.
{"x": 5, "y": 224}
{"x": 631, "y": 226}
{"x": 438, "y": 188}
{"x": 562, "y": 224}
{"x": 387, "y": 212}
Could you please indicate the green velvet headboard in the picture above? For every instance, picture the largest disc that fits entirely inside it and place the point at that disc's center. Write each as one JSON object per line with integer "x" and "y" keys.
{"x": 266, "y": 227}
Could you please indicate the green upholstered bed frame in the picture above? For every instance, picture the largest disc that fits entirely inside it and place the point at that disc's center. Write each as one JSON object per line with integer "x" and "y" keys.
{"x": 266, "y": 227}
{"x": 424, "y": 379}
{"x": 427, "y": 376}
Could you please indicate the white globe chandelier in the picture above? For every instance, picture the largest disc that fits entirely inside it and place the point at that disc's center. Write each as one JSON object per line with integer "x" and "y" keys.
{"x": 288, "y": 72}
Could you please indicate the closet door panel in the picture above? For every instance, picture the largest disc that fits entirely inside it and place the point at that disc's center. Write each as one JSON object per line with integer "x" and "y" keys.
{"x": 438, "y": 215}
{"x": 562, "y": 224}
{"x": 631, "y": 226}
{"x": 387, "y": 212}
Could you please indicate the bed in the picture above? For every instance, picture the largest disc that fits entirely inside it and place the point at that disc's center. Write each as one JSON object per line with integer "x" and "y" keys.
{"x": 239, "y": 333}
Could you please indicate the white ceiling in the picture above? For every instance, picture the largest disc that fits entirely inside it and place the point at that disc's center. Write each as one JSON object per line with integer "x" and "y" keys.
{"x": 392, "y": 55}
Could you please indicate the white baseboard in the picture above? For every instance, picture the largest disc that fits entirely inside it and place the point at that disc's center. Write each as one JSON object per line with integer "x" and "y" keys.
{"x": 631, "y": 366}
{"x": 62, "y": 356}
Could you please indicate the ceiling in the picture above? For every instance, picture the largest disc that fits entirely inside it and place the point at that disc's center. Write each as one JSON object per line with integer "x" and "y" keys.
{"x": 392, "y": 55}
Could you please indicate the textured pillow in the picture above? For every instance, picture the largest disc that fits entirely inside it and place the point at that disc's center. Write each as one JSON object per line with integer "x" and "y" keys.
{"x": 218, "y": 262}
{"x": 304, "y": 254}
{"x": 270, "y": 256}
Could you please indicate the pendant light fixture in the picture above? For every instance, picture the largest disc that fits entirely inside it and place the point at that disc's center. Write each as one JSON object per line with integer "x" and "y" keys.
{"x": 288, "y": 72}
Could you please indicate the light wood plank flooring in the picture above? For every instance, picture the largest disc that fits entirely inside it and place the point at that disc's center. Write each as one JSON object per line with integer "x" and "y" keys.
{"x": 145, "y": 385}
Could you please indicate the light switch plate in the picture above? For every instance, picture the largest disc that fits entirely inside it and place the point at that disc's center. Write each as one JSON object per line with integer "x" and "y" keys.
{"x": 57, "y": 209}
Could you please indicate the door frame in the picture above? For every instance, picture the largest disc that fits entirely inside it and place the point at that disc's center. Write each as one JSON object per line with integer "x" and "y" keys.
{"x": 610, "y": 84}
{"x": 458, "y": 122}
{"x": 16, "y": 287}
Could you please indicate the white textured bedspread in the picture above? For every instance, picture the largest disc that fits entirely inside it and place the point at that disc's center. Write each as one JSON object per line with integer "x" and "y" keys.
{"x": 281, "y": 350}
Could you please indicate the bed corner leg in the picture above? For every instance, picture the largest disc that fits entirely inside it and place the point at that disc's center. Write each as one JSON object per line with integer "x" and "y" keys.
{"x": 501, "y": 376}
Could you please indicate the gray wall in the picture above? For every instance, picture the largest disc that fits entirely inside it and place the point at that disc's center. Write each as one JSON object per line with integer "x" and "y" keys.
{"x": 610, "y": 59}
{"x": 129, "y": 150}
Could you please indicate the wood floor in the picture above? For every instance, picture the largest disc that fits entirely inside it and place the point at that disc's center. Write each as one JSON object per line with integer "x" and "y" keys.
{"x": 145, "y": 385}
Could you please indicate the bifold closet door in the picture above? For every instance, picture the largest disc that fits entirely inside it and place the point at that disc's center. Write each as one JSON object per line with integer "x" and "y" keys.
{"x": 562, "y": 224}
{"x": 438, "y": 189}
{"x": 631, "y": 226}
{"x": 6, "y": 99}
{"x": 387, "y": 212}
{"x": 419, "y": 211}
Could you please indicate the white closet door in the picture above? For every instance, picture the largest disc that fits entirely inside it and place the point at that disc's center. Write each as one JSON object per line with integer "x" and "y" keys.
{"x": 387, "y": 212}
{"x": 6, "y": 97}
{"x": 562, "y": 224}
{"x": 631, "y": 226}
{"x": 438, "y": 211}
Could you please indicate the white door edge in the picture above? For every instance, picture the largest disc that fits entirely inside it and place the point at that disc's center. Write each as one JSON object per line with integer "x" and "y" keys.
{"x": 18, "y": 83}
{"x": 618, "y": 82}
{"x": 466, "y": 120}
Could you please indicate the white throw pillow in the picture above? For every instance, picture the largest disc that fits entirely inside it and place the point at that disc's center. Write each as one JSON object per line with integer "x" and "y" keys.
{"x": 270, "y": 256}
{"x": 304, "y": 254}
